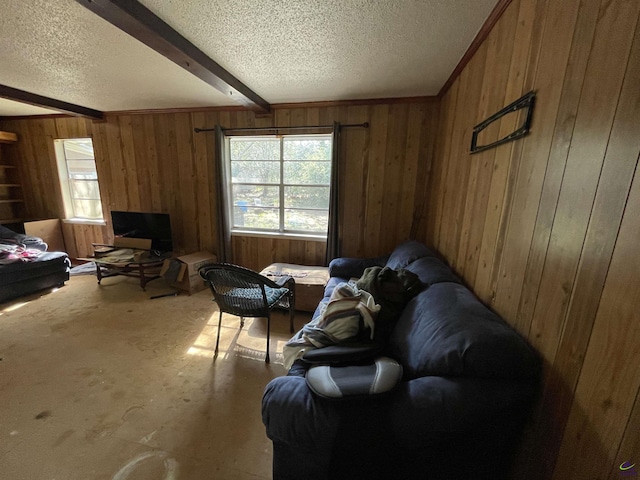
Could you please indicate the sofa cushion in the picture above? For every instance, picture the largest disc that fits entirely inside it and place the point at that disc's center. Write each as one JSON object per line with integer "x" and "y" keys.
{"x": 432, "y": 270}
{"x": 446, "y": 331}
{"x": 408, "y": 252}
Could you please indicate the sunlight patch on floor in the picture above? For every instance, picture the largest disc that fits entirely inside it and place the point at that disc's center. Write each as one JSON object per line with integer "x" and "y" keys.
{"x": 14, "y": 307}
{"x": 236, "y": 341}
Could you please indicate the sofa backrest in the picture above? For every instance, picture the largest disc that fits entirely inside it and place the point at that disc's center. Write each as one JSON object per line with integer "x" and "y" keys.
{"x": 408, "y": 252}
{"x": 447, "y": 331}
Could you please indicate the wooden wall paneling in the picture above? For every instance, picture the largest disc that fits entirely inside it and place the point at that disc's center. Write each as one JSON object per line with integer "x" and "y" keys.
{"x": 187, "y": 199}
{"x": 493, "y": 87}
{"x": 481, "y": 84}
{"x": 165, "y": 136}
{"x": 553, "y": 410}
{"x": 143, "y": 162}
{"x": 394, "y": 165}
{"x": 610, "y": 376}
{"x": 140, "y": 166}
{"x": 354, "y": 189}
{"x": 131, "y": 163}
{"x": 502, "y": 163}
{"x": 614, "y": 183}
{"x": 56, "y": 204}
{"x": 116, "y": 164}
{"x": 37, "y": 169}
{"x": 630, "y": 445}
{"x": 101, "y": 152}
{"x": 554, "y": 56}
{"x": 70, "y": 240}
{"x": 298, "y": 117}
{"x": 47, "y": 175}
{"x": 419, "y": 134}
{"x": 312, "y": 116}
{"x": 282, "y": 117}
{"x": 455, "y": 186}
{"x": 63, "y": 127}
{"x": 560, "y": 188}
{"x": 439, "y": 170}
{"x": 596, "y": 112}
{"x": 375, "y": 179}
{"x": 517, "y": 150}
{"x": 203, "y": 183}
{"x": 152, "y": 171}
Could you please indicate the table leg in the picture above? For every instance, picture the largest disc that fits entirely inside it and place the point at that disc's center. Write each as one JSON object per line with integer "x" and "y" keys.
{"x": 143, "y": 280}
{"x": 98, "y": 272}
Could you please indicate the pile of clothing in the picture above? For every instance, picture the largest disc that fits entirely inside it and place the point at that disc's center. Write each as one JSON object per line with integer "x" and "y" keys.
{"x": 362, "y": 311}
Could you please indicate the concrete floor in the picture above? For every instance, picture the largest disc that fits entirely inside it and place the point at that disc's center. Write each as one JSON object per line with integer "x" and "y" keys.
{"x": 100, "y": 382}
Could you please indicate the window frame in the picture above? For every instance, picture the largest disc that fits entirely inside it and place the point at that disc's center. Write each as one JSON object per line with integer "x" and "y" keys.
{"x": 66, "y": 182}
{"x": 281, "y": 185}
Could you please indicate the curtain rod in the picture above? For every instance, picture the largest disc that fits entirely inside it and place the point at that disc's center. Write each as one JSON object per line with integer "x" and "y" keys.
{"x": 301, "y": 127}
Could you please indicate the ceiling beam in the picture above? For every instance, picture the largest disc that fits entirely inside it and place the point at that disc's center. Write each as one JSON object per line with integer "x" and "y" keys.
{"x": 142, "y": 24}
{"x": 11, "y": 93}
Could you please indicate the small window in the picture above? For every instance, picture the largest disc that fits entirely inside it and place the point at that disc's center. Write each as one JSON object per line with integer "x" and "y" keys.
{"x": 280, "y": 184}
{"x": 79, "y": 179}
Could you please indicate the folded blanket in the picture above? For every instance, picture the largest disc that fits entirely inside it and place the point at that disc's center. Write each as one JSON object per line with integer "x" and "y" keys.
{"x": 348, "y": 316}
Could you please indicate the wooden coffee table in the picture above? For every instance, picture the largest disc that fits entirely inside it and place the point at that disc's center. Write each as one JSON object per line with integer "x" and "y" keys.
{"x": 310, "y": 282}
{"x": 145, "y": 270}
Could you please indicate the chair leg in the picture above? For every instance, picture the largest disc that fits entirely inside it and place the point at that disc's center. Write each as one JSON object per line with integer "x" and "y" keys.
{"x": 267, "y": 360}
{"x": 218, "y": 339}
{"x": 291, "y": 313}
{"x": 241, "y": 322}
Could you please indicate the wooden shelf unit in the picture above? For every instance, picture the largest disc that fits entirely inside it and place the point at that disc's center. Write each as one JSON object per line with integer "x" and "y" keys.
{"x": 11, "y": 196}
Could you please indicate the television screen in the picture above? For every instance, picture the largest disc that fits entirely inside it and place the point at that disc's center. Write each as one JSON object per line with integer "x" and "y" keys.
{"x": 156, "y": 226}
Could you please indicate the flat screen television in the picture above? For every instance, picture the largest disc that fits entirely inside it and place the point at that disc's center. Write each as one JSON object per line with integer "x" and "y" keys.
{"x": 156, "y": 226}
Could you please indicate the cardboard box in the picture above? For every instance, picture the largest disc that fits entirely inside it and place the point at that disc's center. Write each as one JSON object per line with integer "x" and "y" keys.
{"x": 182, "y": 272}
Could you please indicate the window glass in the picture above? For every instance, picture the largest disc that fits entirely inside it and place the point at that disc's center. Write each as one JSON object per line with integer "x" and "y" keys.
{"x": 280, "y": 184}
{"x": 79, "y": 178}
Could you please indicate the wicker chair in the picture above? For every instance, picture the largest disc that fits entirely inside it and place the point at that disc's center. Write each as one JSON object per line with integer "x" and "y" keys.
{"x": 245, "y": 293}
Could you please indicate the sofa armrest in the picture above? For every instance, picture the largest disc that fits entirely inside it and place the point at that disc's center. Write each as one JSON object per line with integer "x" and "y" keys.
{"x": 293, "y": 414}
{"x": 354, "y": 267}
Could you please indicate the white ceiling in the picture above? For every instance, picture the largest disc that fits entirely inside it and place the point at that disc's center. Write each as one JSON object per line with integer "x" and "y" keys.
{"x": 284, "y": 50}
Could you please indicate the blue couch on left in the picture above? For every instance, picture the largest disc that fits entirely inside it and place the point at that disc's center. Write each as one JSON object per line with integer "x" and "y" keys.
{"x": 40, "y": 271}
{"x": 469, "y": 382}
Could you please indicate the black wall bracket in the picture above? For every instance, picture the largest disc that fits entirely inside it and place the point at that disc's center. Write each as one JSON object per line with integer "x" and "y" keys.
{"x": 526, "y": 101}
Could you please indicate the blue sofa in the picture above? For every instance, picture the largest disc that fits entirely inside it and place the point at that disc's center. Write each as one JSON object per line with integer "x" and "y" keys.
{"x": 468, "y": 385}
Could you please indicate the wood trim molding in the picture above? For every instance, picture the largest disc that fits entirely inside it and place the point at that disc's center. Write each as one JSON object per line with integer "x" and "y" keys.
{"x": 348, "y": 103}
{"x": 484, "y": 31}
{"x": 276, "y": 106}
{"x": 132, "y": 17}
{"x": 236, "y": 108}
{"x": 46, "y": 102}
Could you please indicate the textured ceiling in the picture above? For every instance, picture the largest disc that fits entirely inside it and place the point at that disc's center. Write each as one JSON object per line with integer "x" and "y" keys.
{"x": 284, "y": 50}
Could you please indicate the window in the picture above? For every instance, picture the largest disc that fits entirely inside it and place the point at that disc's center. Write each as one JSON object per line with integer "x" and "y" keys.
{"x": 79, "y": 179}
{"x": 280, "y": 184}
